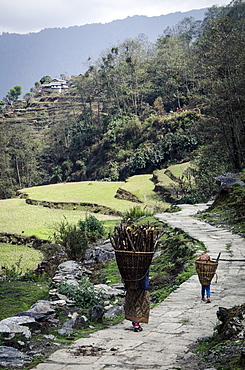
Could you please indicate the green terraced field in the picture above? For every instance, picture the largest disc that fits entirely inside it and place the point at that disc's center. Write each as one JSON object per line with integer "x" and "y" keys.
{"x": 17, "y": 217}
{"x": 22, "y": 257}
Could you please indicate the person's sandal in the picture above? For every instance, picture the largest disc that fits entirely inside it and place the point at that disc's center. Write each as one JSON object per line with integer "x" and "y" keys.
{"x": 208, "y": 300}
{"x": 137, "y": 327}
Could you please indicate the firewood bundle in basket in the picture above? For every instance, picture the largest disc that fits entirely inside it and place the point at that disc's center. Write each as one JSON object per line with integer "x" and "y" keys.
{"x": 134, "y": 238}
{"x": 134, "y": 249}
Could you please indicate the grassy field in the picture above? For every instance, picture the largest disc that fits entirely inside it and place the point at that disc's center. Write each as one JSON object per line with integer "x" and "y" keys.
{"x": 19, "y": 258}
{"x": 18, "y": 296}
{"x": 141, "y": 186}
{"x": 17, "y": 217}
{"x": 163, "y": 178}
{"x": 96, "y": 192}
{"x": 177, "y": 171}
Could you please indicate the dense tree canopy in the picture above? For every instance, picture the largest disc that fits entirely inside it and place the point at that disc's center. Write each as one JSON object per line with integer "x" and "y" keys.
{"x": 223, "y": 52}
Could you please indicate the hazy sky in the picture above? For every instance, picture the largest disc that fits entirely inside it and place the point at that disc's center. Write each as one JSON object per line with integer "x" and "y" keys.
{"x": 23, "y": 16}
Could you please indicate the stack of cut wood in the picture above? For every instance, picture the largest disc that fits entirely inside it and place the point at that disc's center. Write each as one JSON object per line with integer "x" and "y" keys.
{"x": 134, "y": 238}
{"x": 134, "y": 248}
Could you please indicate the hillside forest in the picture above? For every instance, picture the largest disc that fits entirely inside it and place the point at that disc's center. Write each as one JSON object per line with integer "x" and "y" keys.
{"x": 140, "y": 107}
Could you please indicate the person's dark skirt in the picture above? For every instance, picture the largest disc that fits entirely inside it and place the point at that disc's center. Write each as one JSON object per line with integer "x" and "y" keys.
{"x": 137, "y": 305}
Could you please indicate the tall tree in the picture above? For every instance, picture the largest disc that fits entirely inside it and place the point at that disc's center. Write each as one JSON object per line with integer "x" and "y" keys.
{"x": 13, "y": 94}
{"x": 19, "y": 152}
{"x": 171, "y": 70}
{"x": 122, "y": 71}
{"x": 220, "y": 58}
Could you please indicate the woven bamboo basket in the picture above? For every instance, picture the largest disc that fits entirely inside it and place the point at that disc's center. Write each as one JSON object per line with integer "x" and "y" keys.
{"x": 206, "y": 271}
{"x": 133, "y": 266}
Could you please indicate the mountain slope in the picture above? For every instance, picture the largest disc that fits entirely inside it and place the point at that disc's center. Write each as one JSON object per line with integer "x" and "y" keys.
{"x": 26, "y": 58}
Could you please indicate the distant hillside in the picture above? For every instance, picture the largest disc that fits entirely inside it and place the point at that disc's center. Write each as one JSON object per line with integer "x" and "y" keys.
{"x": 26, "y": 58}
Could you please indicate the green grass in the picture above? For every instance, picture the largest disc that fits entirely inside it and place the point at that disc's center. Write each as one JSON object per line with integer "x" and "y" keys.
{"x": 22, "y": 257}
{"x": 109, "y": 226}
{"x": 228, "y": 209}
{"x": 176, "y": 169}
{"x": 96, "y": 192}
{"x": 163, "y": 178}
{"x": 17, "y": 217}
{"x": 143, "y": 187}
{"x": 224, "y": 352}
{"x": 18, "y": 296}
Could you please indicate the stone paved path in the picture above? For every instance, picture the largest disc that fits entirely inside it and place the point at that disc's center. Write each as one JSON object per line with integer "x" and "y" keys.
{"x": 175, "y": 323}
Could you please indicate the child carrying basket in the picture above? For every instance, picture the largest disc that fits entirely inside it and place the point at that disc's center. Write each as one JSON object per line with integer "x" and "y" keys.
{"x": 206, "y": 269}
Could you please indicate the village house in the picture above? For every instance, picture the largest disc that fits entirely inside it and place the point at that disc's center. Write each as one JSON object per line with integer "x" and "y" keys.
{"x": 55, "y": 85}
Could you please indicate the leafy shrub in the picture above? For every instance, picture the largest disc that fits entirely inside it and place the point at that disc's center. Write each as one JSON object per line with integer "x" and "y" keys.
{"x": 71, "y": 239}
{"x": 91, "y": 228}
{"x": 85, "y": 295}
{"x": 75, "y": 238}
{"x": 135, "y": 213}
{"x": 207, "y": 167}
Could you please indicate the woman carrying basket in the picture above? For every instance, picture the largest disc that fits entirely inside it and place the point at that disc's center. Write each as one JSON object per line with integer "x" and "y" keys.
{"x": 137, "y": 304}
{"x": 134, "y": 249}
